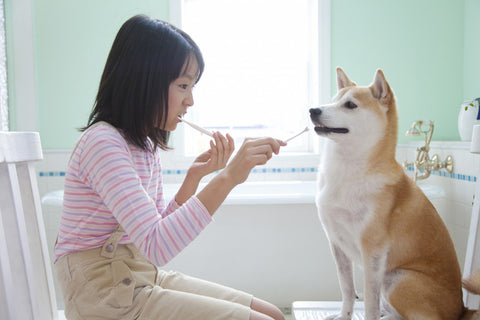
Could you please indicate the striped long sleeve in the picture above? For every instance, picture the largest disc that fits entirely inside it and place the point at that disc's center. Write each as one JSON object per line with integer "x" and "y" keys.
{"x": 108, "y": 183}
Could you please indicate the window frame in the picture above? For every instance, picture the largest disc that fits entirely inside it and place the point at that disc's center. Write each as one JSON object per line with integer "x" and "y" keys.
{"x": 324, "y": 90}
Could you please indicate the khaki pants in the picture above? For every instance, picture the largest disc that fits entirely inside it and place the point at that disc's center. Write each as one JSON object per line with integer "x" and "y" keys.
{"x": 117, "y": 282}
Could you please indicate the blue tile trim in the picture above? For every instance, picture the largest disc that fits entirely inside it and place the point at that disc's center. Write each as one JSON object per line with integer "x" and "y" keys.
{"x": 453, "y": 175}
{"x": 43, "y": 174}
{"x": 284, "y": 170}
{"x": 442, "y": 173}
{"x": 181, "y": 172}
{"x": 174, "y": 172}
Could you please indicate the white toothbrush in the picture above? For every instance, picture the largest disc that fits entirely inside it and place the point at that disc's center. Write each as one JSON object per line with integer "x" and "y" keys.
{"x": 205, "y": 131}
{"x": 194, "y": 126}
{"x": 304, "y": 130}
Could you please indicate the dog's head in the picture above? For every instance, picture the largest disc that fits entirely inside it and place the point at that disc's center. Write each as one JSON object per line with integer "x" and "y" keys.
{"x": 358, "y": 114}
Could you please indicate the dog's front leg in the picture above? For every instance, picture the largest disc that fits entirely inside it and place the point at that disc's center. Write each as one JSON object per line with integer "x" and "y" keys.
{"x": 345, "y": 277}
{"x": 374, "y": 267}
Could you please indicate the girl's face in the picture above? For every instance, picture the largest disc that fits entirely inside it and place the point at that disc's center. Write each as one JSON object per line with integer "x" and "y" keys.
{"x": 180, "y": 95}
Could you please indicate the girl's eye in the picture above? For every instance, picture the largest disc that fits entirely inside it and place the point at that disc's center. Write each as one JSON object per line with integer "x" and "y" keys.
{"x": 184, "y": 86}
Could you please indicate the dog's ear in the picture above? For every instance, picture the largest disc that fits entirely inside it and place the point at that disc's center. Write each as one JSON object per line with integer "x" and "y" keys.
{"x": 342, "y": 80}
{"x": 380, "y": 87}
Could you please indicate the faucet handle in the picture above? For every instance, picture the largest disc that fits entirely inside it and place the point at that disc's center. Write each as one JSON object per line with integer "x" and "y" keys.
{"x": 448, "y": 164}
{"x": 436, "y": 164}
{"x": 406, "y": 164}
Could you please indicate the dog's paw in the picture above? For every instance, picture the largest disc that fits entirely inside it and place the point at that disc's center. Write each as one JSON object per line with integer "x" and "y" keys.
{"x": 338, "y": 317}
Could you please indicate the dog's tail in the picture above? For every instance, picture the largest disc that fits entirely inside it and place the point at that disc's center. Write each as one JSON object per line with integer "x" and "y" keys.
{"x": 472, "y": 284}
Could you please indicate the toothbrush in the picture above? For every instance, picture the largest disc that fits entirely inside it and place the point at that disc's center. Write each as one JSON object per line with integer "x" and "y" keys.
{"x": 304, "y": 130}
{"x": 194, "y": 126}
{"x": 205, "y": 131}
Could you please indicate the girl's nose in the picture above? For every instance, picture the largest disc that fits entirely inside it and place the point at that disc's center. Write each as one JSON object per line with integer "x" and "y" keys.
{"x": 189, "y": 99}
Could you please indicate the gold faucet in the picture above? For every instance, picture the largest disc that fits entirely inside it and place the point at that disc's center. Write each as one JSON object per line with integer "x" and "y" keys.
{"x": 424, "y": 162}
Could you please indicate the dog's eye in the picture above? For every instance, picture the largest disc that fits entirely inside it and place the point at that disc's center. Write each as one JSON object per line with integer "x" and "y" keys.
{"x": 350, "y": 105}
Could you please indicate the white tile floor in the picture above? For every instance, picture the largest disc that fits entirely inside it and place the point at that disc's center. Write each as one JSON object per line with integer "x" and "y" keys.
{"x": 316, "y": 310}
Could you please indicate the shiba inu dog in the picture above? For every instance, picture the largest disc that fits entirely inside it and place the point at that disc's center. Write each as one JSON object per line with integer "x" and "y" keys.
{"x": 376, "y": 217}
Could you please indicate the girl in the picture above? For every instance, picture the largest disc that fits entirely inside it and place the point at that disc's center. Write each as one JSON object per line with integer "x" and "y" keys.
{"x": 116, "y": 227}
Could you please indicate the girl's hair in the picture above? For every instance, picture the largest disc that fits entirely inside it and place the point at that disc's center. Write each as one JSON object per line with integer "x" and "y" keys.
{"x": 146, "y": 56}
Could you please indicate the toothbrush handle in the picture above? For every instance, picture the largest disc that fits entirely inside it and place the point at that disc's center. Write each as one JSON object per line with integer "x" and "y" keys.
{"x": 202, "y": 130}
{"x": 291, "y": 138}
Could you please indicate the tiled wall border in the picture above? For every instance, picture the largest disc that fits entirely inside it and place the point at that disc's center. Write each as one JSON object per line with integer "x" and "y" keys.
{"x": 46, "y": 174}
{"x": 442, "y": 173}
{"x": 453, "y": 175}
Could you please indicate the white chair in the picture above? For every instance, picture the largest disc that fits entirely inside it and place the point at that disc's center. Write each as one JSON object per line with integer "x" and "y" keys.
{"x": 472, "y": 255}
{"x": 26, "y": 281}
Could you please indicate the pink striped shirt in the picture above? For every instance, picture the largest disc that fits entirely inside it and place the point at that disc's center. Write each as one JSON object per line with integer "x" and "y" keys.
{"x": 104, "y": 188}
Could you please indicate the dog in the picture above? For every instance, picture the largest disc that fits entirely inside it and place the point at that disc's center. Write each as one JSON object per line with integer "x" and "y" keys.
{"x": 376, "y": 217}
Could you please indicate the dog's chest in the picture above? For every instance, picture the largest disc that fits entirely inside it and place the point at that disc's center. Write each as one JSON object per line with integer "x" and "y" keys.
{"x": 346, "y": 205}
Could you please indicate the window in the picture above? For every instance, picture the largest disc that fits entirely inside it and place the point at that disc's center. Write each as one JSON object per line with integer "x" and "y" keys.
{"x": 261, "y": 74}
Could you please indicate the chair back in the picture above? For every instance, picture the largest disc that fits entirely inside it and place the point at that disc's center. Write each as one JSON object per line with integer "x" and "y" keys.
{"x": 472, "y": 255}
{"x": 26, "y": 281}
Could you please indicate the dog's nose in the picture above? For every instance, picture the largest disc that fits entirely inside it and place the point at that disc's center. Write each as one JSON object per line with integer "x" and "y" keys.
{"x": 315, "y": 111}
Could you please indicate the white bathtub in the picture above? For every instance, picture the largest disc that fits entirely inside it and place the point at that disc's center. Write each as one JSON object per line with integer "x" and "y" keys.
{"x": 263, "y": 192}
{"x": 266, "y": 239}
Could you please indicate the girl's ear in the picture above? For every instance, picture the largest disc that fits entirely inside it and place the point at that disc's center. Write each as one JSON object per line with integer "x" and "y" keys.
{"x": 342, "y": 80}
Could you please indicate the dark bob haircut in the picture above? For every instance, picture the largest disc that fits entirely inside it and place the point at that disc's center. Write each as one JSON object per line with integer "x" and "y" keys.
{"x": 146, "y": 56}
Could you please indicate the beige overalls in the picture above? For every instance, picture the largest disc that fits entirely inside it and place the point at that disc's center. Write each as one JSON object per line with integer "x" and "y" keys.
{"x": 117, "y": 282}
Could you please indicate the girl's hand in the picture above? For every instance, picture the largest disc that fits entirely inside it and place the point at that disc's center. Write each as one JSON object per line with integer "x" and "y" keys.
{"x": 210, "y": 161}
{"x": 253, "y": 152}
{"x": 215, "y": 158}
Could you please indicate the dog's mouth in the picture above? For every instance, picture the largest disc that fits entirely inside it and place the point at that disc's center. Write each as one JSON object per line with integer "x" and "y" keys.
{"x": 321, "y": 129}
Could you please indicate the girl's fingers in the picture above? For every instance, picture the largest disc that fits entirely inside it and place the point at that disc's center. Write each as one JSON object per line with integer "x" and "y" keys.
{"x": 224, "y": 147}
{"x": 275, "y": 144}
{"x": 231, "y": 144}
{"x": 265, "y": 150}
{"x": 260, "y": 159}
{"x": 213, "y": 152}
{"x": 218, "y": 147}
{"x": 253, "y": 152}
{"x": 226, "y": 150}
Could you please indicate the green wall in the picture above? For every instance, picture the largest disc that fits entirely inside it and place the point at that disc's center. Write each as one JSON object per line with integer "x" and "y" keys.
{"x": 73, "y": 41}
{"x": 471, "y": 83}
{"x": 419, "y": 46}
{"x": 418, "y": 43}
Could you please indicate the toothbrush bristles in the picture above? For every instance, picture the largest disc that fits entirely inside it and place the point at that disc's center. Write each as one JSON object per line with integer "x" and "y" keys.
{"x": 304, "y": 130}
{"x": 196, "y": 127}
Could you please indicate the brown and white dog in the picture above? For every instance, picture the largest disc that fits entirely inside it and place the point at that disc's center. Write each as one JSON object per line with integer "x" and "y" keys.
{"x": 376, "y": 217}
